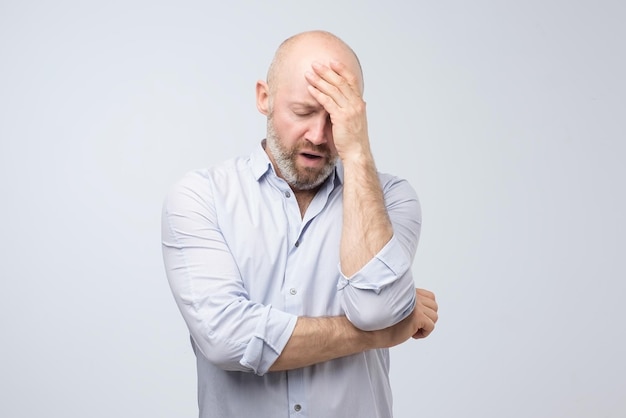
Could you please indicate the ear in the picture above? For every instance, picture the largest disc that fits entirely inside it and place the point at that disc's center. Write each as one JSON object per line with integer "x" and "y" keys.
{"x": 263, "y": 97}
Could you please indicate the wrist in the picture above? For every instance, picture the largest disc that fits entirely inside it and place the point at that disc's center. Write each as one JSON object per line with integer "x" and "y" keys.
{"x": 359, "y": 154}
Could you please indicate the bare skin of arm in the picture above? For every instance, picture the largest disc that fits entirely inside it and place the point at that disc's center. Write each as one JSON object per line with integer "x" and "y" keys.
{"x": 366, "y": 230}
{"x": 366, "y": 225}
{"x": 315, "y": 340}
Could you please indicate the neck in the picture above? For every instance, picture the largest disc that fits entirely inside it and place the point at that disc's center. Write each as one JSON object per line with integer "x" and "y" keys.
{"x": 304, "y": 198}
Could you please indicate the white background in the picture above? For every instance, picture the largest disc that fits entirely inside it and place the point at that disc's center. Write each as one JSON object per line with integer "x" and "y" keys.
{"x": 508, "y": 117}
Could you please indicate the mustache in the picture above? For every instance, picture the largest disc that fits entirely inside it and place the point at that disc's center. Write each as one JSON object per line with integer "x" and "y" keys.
{"x": 307, "y": 145}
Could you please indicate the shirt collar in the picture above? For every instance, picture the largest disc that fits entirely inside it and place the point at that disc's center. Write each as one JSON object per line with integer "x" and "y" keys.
{"x": 260, "y": 162}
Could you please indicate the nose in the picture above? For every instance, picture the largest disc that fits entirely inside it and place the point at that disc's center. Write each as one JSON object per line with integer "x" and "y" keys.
{"x": 320, "y": 129}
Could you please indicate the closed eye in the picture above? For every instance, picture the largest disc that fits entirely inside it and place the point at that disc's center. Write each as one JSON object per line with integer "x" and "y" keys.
{"x": 305, "y": 109}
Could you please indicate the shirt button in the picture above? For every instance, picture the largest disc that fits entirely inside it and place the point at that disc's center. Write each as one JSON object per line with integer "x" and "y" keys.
{"x": 287, "y": 194}
{"x": 297, "y": 244}
{"x": 297, "y": 407}
{"x": 293, "y": 292}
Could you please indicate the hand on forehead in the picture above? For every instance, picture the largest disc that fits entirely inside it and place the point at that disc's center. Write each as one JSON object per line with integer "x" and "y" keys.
{"x": 296, "y": 56}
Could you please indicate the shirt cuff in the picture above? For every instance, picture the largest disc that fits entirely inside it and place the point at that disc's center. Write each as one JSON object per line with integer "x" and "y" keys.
{"x": 386, "y": 267}
{"x": 268, "y": 341}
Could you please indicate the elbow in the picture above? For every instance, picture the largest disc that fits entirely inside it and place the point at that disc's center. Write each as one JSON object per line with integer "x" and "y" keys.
{"x": 370, "y": 311}
{"x": 219, "y": 353}
{"x": 369, "y": 320}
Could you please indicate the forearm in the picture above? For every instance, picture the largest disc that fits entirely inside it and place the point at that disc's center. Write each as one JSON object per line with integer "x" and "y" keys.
{"x": 366, "y": 224}
{"x": 382, "y": 292}
{"x": 315, "y": 340}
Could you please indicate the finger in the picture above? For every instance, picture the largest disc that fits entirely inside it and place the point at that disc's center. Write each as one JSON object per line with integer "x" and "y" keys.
{"x": 326, "y": 83}
{"x": 326, "y": 101}
{"x": 420, "y": 334}
{"x": 332, "y": 77}
{"x": 424, "y": 331}
{"x": 351, "y": 78}
{"x": 431, "y": 314}
{"x": 341, "y": 79}
{"x": 426, "y": 298}
{"x": 425, "y": 293}
{"x": 430, "y": 303}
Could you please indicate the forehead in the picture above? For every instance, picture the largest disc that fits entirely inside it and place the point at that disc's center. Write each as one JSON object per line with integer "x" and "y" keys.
{"x": 297, "y": 58}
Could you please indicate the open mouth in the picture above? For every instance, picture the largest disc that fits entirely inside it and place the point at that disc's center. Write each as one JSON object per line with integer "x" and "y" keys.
{"x": 311, "y": 156}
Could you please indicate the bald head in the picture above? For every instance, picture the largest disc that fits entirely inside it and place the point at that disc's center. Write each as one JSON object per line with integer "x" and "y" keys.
{"x": 297, "y": 53}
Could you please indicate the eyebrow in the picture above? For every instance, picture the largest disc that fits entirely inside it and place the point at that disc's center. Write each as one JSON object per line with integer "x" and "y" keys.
{"x": 305, "y": 106}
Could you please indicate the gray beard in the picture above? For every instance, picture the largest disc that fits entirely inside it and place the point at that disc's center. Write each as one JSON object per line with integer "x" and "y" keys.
{"x": 285, "y": 162}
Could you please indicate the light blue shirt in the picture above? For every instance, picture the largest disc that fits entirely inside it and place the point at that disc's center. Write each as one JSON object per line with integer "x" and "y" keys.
{"x": 243, "y": 264}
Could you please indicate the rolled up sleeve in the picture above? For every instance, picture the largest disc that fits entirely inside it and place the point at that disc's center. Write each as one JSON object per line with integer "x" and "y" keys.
{"x": 231, "y": 331}
{"x": 382, "y": 293}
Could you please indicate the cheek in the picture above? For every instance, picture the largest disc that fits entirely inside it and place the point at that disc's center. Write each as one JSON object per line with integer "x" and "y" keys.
{"x": 289, "y": 130}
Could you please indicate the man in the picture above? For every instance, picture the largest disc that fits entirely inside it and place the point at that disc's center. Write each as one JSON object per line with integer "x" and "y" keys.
{"x": 292, "y": 266}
